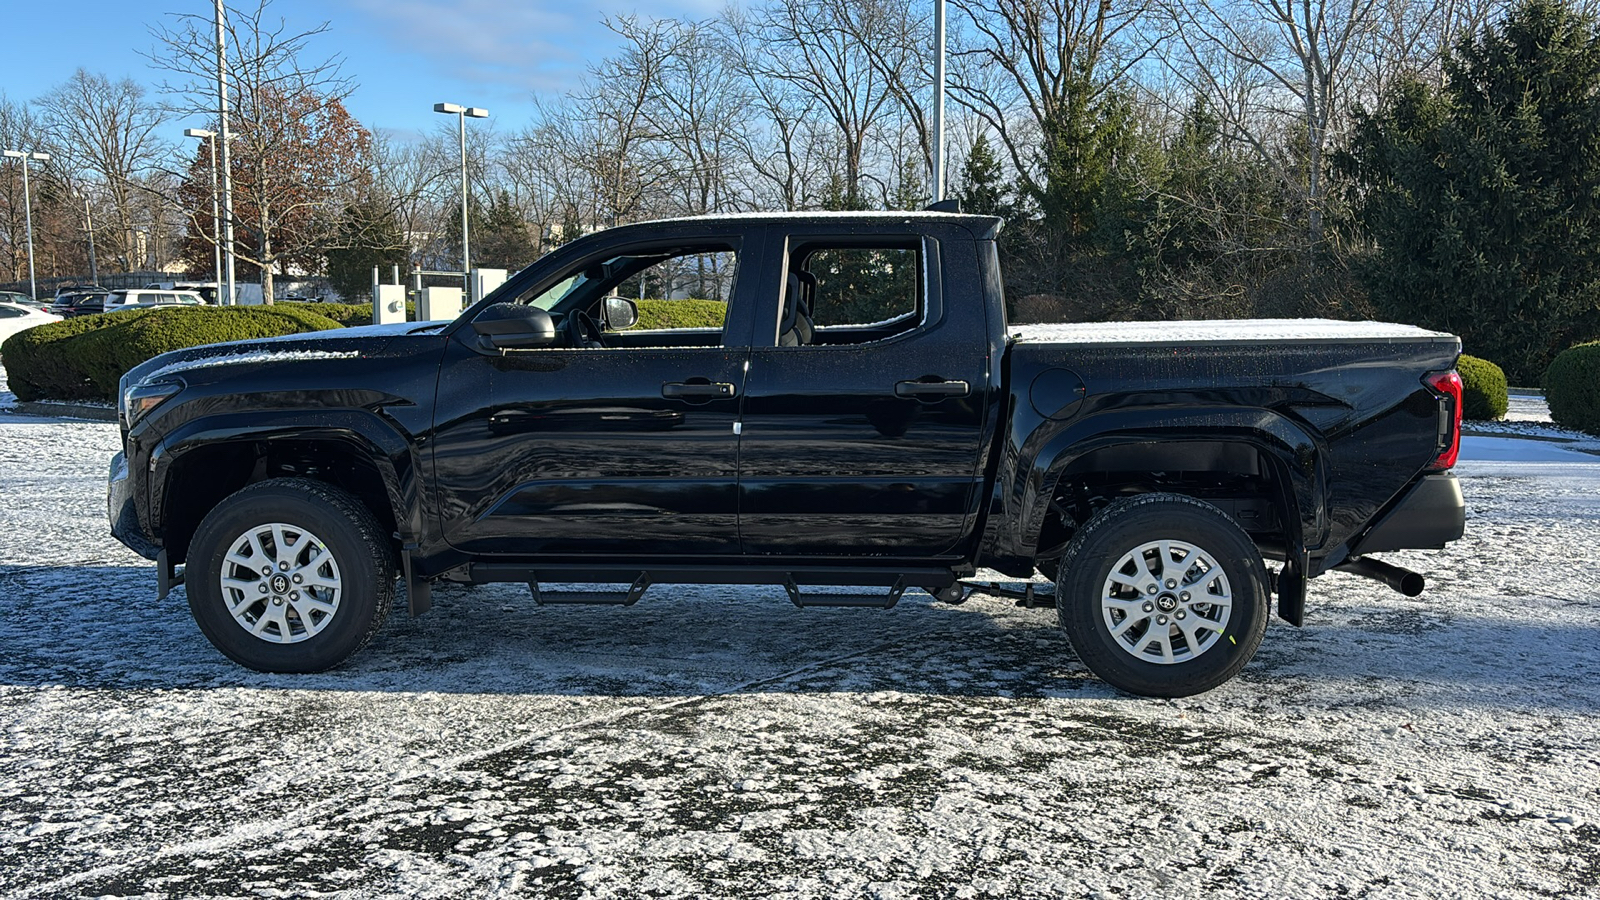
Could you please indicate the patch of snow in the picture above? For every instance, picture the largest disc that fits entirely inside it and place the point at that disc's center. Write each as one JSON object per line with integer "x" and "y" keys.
{"x": 249, "y": 357}
{"x": 1219, "y": 330}
{"x": 716, "y": 741}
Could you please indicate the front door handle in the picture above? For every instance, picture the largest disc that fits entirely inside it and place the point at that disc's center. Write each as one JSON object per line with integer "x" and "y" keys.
{"x": 679, "y": 390}
{"x": 932, "y": 390}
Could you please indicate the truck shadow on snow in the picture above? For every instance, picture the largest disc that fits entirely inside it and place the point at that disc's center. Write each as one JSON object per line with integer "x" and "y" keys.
{"x": 100, "y": 627}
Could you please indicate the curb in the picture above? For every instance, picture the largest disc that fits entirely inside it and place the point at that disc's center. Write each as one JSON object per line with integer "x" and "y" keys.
{"x": 65, "y": 411}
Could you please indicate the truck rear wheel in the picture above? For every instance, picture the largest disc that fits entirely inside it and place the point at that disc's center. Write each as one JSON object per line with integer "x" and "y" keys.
{"x": 290, "y": 575}
{"x": 1163, "y": 595}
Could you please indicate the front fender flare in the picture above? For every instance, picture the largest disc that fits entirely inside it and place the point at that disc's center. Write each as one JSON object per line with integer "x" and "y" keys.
{"x": 367, "y": 433}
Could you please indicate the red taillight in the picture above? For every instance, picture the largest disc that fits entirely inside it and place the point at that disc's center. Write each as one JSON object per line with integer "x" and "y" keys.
{"x": 1448, "y": 386}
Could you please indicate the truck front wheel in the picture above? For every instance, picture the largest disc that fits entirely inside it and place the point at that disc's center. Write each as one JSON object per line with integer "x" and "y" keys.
{"x": 1163, "y": 595}
{"x": 290, "y": 575}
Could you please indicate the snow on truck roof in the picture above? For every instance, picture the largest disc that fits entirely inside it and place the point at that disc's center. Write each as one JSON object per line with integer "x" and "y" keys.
{"x": 1185, "y": 332}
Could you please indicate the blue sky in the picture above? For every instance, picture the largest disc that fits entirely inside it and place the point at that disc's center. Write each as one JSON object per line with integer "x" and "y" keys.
{"x": 404, "y": 54}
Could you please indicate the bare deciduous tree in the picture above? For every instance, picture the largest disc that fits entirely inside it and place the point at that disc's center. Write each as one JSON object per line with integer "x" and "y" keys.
{"x": 105, "y": 133}
{"x": 297, "y": 154}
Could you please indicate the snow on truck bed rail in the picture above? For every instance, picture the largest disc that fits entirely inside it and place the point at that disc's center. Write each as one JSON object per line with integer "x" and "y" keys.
{"x": 1218, "y": 330}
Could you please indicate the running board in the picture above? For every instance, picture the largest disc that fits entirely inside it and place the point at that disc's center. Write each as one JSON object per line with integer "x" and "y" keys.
{"x": 1027, "y": 598}
{"x": 591, "y": 598}
{"x": 856, "y": 601}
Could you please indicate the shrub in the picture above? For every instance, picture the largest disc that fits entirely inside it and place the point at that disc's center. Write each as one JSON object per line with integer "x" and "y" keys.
{"x": 83, "y": 358}
{"x": 352, "y": 315}
{"x": 1572, "y": 387}
{"x": 1483, "y": 389}
{"x": 681, "y": 313}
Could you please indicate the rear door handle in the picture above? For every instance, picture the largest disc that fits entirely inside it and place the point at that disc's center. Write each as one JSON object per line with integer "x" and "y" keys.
{"x": 927, "y": 390}
{"x": 679, "y": 390}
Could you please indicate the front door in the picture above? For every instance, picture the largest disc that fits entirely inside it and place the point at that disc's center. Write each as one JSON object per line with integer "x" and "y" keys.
{"x": 608, "y": 442}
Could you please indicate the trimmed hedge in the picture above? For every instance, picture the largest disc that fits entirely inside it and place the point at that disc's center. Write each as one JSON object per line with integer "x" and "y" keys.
{"x": 352, "y": 315}
{"x": 1572, "y": 388}
{"x": 681, "y": 313}
{"x": 1483, "y": 386}
{"x": 83, "y": 358}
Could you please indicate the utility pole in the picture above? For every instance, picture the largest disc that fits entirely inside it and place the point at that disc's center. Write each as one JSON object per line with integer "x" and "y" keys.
{"x": 462, "y": 113}
{"x": 227, "y": 168}
{"x": 938, "y": 100}
{"x": 27, "y": 209}
{"x": 216, "y": 218}
{"x": 88, "y": 228}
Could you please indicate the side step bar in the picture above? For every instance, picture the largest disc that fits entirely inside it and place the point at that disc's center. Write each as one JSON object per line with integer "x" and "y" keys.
{"x": 598, "y": 598}
{"x": 940, "y": 582}
{"x": 858, "y": 601}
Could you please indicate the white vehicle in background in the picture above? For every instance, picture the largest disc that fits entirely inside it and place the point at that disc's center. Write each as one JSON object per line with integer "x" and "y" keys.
{"x": 144, "y": 298}
{"x": 15, "y": 317}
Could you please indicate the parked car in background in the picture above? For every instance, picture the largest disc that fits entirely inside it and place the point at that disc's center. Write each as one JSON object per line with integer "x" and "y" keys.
{"x": 15, "y": 317}
{"x": 139, "y": 298}
{"x": 70, "y": 306}
{"x": 206, "y": 289}
{"x": 23, "y": 299}
{"x": 64, "y": 289}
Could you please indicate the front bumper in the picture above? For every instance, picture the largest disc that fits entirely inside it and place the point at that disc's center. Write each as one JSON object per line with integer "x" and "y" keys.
{"x": 1429, "y": 516}
{"x": 120, "y": 511}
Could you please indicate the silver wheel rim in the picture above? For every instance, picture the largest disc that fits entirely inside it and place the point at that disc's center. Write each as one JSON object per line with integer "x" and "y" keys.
{"x": 281, "y": 583}
{"x": 1166, "y": 602}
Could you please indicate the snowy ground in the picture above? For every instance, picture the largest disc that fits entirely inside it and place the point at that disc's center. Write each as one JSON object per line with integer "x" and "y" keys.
{"x": 719, "y": 742}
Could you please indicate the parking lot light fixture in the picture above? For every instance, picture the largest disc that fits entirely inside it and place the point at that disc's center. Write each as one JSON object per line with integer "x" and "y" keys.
{"x": 216, "y": 215}
{"x": 27, "y": 207}
{"x": 462, "y": 114}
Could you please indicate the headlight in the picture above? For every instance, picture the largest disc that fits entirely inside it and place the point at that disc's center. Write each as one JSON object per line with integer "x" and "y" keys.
{"x": 141, "y": 398}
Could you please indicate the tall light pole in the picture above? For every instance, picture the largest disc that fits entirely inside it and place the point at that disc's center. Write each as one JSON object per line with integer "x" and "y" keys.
{"x": 88, "y": 230}
{"x": 216, "y": 217}
{"x": 27, "y": 209}
{"x": 227, "y": 168}
{"x": 938, "y": 100}
{"x": 462, "y": 113}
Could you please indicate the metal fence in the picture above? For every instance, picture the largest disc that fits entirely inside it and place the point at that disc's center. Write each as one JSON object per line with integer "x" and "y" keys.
{"x": 112, "y": 280}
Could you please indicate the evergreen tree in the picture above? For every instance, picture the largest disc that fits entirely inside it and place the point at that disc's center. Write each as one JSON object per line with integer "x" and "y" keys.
{"x": 1484, "y": 198}
{"x": 983, "y": 190}
{"x": 368, "y": 235}
{"x": 501, "y": 238}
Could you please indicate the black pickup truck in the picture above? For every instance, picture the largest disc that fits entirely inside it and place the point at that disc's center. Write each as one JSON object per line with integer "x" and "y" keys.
{"x": 819, "y": 399}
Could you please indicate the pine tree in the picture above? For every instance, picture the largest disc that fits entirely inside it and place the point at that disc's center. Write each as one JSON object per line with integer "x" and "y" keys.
{"x": 1484, "y": 198}
{"x": 983, "y": 190}
{"x": 368, "y": 235}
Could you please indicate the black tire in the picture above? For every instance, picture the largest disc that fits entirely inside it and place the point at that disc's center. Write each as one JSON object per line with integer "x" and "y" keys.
{"x": 1215, "y": 639}
{"x": 333, "y": 627}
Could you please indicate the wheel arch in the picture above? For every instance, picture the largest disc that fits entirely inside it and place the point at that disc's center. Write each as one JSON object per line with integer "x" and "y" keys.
{"x": 196, "y": 469}
{"x": 1203, "y": 447}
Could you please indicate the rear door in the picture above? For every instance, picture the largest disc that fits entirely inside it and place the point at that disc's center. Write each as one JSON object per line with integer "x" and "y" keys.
{"x": 864, "y": 412}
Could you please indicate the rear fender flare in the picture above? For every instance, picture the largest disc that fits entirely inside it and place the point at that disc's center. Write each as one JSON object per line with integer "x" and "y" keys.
{"x": 1295, "y": 455}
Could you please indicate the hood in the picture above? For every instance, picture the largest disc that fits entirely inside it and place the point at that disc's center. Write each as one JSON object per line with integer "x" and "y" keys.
{"x": 366, "y": 340}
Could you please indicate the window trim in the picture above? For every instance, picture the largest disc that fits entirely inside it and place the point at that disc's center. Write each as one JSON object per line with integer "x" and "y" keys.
{"x": 743, "y": 251}
{"x": 932, "y": 288}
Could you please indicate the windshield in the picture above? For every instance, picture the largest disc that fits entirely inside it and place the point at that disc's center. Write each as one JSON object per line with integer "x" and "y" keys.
{"x": 557, "y": 292}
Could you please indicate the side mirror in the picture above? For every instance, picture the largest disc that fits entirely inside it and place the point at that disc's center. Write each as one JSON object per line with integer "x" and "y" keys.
{"x": 619, "y": 313}
{"x": 509, "y": 326}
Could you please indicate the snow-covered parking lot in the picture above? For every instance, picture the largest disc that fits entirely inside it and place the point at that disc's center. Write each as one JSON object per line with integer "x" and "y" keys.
{"x": 719, "y": 742}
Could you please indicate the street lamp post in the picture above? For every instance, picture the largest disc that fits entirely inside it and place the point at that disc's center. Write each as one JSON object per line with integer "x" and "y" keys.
{"x": 88, "y": 231}
{"x": 938, "y": 100}
{"x": 27, "y": 208}
{"x": 227, "y": 167}
{"x": 216, "y": 216}
{"x": 462, "y": 113}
